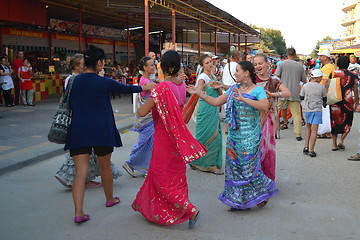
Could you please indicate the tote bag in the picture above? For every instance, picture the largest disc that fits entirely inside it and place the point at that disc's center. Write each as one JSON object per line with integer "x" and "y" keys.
{"x": 334, "y": 93}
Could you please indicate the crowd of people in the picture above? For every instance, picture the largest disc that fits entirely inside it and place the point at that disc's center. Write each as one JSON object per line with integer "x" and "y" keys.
{"x": 245, "y": 93}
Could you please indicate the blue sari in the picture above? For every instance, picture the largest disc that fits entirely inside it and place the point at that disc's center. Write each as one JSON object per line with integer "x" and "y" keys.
{"x": 245, "y": 183}
{"x": 141, "y": 152}
{"x": 208, "y": 133}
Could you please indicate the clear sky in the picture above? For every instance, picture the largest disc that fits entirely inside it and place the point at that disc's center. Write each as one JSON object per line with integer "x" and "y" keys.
{"x": 301, "y": 22}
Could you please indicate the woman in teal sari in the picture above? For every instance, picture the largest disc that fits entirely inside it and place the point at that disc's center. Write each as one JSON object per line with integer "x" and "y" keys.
{"x": 208, "y": 128}
{"x": 246, "y": 185}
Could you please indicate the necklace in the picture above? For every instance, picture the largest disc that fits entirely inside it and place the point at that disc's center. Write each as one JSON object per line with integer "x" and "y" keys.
{"x": 243, "y": 88}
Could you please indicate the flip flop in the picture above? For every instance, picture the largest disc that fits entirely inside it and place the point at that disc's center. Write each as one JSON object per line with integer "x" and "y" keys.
{"x": 341, "y": 146}
{"x": 217, "y": 172}
{"x": 237, "y": 209}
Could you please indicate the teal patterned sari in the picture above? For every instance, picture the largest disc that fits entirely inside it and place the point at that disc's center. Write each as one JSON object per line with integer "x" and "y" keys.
{"x": 208, "y": 133}
{"x": 245, "y": 183}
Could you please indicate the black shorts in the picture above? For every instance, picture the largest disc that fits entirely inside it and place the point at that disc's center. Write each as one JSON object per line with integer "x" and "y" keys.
{"x": 99, "y": 151}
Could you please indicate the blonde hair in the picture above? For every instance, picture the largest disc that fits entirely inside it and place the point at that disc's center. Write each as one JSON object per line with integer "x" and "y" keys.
{"x": 75, "y": 60}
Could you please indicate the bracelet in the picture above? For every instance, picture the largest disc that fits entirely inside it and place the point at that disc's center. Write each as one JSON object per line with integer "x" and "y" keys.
{"x": 279, "y": 94}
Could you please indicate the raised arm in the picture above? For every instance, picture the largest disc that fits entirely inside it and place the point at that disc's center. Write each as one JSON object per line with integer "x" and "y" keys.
{"x": 262, "y": 104}
{"x": 208, "y": 99}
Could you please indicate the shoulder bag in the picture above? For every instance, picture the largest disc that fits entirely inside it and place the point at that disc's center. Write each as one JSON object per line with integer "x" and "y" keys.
{"x": 62, "y": 118}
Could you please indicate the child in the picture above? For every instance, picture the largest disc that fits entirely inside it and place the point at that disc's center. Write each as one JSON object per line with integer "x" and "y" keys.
{"x": 314, "y": 95}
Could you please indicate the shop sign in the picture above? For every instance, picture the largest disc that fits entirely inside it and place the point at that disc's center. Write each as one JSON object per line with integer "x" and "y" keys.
{"x": 100, "y": 41}
{"x": 120, "y": 43}
{"x": 65, "y": 37}
{"x": 24, "y": 33}
{"x": 51, "y": 69}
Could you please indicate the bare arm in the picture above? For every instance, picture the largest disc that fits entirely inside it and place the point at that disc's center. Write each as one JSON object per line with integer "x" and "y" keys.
{"x": 208, "y": 99}
{"x": 356, "y": 93}
{"x": 284, "y": 92}
{"x": 146, "y": 108}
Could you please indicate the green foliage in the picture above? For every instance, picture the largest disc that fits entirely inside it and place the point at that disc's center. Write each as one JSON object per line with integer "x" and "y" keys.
{"x": 314, "y": 53}
{"x": 271, "y": 39}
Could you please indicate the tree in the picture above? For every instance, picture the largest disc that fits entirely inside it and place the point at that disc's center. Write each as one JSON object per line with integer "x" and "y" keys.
{"x": 314, "y": 53}
{"x": 272, "y": 39}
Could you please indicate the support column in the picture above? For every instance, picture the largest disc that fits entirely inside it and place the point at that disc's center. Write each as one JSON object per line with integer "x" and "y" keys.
{"x": 239, "y": 42}
{"x": 51, "y": 51}
{"x": 215, "y": 41}
{"x": 245, "y": 45}
{"x": 229, "y": 43}
{"x": 182, "y": 45}
{"x": 173, "y": 23}
{"x": 160, "y": 41}
{"x": 146, "y": 3}
{"x": 128, "y": 43}
{"x": 1, "y": 41}
{"x": 199, "y": 39}
{"x": 80, "y": 29}
{"x": 114, "y": 50}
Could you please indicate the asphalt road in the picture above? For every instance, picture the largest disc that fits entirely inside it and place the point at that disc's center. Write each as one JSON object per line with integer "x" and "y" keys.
{"x": 318, "y": 199}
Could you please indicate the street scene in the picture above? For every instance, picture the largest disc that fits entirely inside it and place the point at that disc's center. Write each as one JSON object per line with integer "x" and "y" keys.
{"x": 179, "y": 119}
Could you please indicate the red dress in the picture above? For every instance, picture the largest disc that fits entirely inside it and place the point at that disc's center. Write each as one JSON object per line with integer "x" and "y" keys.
{"x": 25, "y": 75}
{"x": 163, "y": 198}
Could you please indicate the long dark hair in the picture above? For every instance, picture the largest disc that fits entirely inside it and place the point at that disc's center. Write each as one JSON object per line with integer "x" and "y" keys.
{"x": 248, "y": 66}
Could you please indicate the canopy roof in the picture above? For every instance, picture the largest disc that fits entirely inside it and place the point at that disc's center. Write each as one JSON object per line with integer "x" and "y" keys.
{"x": 117, "y": 14}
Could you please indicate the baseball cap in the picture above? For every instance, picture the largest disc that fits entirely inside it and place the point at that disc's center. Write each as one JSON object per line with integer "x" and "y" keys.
{"x": 325, "y": 53}
{"x": 317, "y": 73}
{"x": 225, "y": 61}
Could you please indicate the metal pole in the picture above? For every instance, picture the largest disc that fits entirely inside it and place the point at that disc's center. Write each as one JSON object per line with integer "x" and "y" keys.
{"x": 239, "y": 42}
{"x": 114, "y": 50}
{"x": 51, "y": 52}
{"x": 173, "y": 27}
{"x": 229, "y": 43}
{"x": 199, "y": 38}
{"x": 128, "y": 43}
{"x": 160, "y": 41}
{"x": 146, "y": 2}
{"x": 80, "y": 29}
{"x": 215, "y": 41}
{"x": 182, "y": 45}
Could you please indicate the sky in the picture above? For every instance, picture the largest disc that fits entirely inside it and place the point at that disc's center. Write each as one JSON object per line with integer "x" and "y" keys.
{"x": 301, "y": 22}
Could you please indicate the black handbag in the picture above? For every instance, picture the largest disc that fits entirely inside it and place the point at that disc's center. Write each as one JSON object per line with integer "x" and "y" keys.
{"x": 62, "y": 118}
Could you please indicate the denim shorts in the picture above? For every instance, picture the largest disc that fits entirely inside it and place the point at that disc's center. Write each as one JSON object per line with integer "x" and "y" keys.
{"x": 313, "y": 117}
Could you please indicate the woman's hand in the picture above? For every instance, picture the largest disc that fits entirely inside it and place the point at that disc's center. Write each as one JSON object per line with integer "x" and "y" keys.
{"x": 191, "y": 89}
{"x": 182, "y": 76}
{"x": 217, "y": 85}
{"x": 357, "y": 108}
{"x": 269, "y": 94}
{"x": 102, "y": 73}
{"x": 238, "y": 94}
{"x": 148, "y": 86}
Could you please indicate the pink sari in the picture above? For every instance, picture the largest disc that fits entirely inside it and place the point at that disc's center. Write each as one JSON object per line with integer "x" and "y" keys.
{"x": 270, "y": 126}
{"x": 163, "y": 198}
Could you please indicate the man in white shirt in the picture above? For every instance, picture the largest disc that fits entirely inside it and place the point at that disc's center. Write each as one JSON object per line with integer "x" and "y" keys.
{"x": 228, "y": 77}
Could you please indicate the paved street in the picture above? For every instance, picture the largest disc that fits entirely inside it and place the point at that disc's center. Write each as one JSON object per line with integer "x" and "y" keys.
{"x": 317, "y": 199}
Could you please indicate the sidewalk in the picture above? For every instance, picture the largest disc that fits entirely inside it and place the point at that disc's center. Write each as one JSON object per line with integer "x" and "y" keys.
{"x": 23, "y": 131}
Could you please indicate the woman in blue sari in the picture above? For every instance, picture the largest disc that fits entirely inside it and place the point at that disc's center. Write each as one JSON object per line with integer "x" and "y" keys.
{"x": 246, "y": 185}
{"x": 141, "y": 153}
{"x": 208, "y": 128}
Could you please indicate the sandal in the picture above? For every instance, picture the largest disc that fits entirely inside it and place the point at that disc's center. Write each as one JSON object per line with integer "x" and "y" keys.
{"x": 217, "y": 172}
{"x": 323, "y": 136}
{"x": 341, "y": 146}
{"x": 306, "y": 150}
{"x": 263, "y": 203}
{"x": 192, "y": 167}
{"x": 356, "y": 157}
{"x": 129, "y": 170}
{"x": 237, "y": 209}
{"x": 92, "y": 184}
{"x": 303, "y": 122}
{"x": 312, "y": 154}
{"x": 284, "y": 126}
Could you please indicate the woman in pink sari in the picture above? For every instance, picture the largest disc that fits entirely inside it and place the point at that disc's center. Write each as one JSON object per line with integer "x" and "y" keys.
{"x": 163, "y": 198}
{"x": 269, "y": 119}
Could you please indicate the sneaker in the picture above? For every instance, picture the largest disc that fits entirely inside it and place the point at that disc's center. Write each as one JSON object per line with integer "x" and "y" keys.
{"x": 299, "y": 138}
